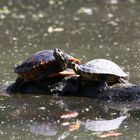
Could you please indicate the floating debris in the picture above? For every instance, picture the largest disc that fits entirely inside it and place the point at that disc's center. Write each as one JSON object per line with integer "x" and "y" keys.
{"x": 18, "y": 16}
{"x": 132, "y": 1}
{"x": 114, "y": 1}
{"x": 42, "y": 108}
{"x": 85, "y": 10}
{"x": 2, "y": 17}
{"x": 4, "y": 10}
{"x": 2, "y": 107}
{"x": 110, "y": 15}
{"x": 51, "y": 2}
{"x": 51, "y": 29}
{"x": 113, "y": 23}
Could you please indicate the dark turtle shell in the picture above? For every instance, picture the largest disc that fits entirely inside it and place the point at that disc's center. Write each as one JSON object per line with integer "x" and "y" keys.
{"x": 41, "y": 62}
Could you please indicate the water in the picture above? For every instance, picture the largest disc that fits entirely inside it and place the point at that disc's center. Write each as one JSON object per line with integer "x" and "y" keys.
{"x": 40, "y": 117}
{"x": 86, "y": 29}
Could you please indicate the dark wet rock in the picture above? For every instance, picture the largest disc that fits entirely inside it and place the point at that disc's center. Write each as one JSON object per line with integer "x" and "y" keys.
{"x": 121, "y": 93}
{"x": 34, "y": 87}
{"x": 71, "y": 87}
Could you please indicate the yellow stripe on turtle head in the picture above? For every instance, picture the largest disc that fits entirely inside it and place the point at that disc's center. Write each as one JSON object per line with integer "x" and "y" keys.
{"x": 60, "y": 57}
{"x": 74, "y": 66}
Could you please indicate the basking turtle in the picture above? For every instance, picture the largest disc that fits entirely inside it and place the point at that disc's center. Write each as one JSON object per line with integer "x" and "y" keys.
{"x": 101, "y": 70}
{"x": 42, "y": 65}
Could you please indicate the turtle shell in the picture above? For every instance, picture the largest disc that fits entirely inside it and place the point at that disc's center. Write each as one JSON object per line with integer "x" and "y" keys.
{"x": 97, "y": 67}
{"x": 42, "y": 61}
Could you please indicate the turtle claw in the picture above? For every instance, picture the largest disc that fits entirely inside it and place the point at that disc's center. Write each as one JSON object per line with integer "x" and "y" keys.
{"x": 102, "y": 86}
{"x": 122, "y": 80}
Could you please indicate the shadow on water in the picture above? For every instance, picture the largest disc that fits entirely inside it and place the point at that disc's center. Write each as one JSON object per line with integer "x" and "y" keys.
{"x": 87, "y": 29}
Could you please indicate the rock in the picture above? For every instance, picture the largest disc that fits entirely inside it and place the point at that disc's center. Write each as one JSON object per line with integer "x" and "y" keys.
{"x": 71, "y": 87}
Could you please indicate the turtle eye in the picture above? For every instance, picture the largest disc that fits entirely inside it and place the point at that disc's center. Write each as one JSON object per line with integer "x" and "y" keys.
{"x": 61, "y": 55}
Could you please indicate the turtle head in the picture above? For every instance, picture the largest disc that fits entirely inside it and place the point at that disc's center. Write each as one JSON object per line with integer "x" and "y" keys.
{"x": 61, "y": 57}
{"x": 74, "y": 66}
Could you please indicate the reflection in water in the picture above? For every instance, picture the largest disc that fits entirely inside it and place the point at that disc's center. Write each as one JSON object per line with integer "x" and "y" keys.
{"x": 61, "y": 117}
{"x": 104, "y": 125}
{"x": 43, "y": 129}
{"x": 50, "y": 129}
{"x": 69, "y": 117}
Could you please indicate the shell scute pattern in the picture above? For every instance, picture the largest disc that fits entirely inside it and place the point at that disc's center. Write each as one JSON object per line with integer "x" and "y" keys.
{"x": 103, "y": 66}
{"x": 99, "y": 69}
{"x": 35, "y": 64}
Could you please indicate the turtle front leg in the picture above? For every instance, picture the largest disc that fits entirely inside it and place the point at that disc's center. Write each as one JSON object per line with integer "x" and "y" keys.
{"x": 102, "y": 83}
{"x": 122, "y": 80}
{"x": 102, "y": 86}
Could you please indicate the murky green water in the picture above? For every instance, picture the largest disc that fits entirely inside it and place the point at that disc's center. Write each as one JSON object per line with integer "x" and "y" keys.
{"x": 87, "y": 29}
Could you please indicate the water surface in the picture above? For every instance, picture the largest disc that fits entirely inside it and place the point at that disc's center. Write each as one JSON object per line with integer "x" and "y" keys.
{"x": 87, "y": 29}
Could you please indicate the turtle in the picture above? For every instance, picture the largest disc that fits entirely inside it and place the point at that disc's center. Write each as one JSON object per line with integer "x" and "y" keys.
{"x": 100, "y": 70}
{"x": 42, "y": 65}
